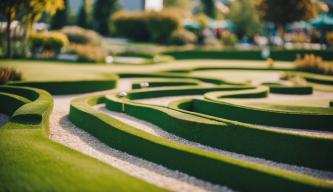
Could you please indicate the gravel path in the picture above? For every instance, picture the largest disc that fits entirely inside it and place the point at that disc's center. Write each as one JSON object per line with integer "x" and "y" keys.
{"x": 64, "y": 132}
{"x": 3, "y": 119}
{"x": 154, "y": 130}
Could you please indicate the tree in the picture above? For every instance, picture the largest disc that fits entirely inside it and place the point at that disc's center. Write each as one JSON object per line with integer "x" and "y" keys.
{"x": 59, "y": 20}
{"x": 209, "y": 8}
{"x": 244, "y": 15}
{"x": 103, "y": 9}
{"x": 85, "y": 15}
{"x": 282, "y": 12}
{"x": 181, "y": 4}
{"x": 9, "y": 10}
{"x": 27, "y": 12}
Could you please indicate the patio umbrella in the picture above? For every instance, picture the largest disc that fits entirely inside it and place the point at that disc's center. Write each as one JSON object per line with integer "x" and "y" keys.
{"x": 323, "y": 21}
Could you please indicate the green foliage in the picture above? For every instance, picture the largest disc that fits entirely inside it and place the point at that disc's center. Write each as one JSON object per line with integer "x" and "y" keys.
{"x": 277, "y": 55}
{"x": 84, "y": 19}
{"x": 209, "y": 8}
{"x": 103, "y": 9}
{"x": 28, "y": 154}
{"x": 26, "y": 12}
{"x": 89, "y": 53}
{"x": 244, "y": 15}
{"x": 182, "y": 37}
{"x": 282, "y": 12}
{"x": 60, "y": 18}
{"x": 183, "y": 4}
{"x": 144, "y": 26}
{"x": 314, "y": 64}
{"x": 9, "y": 74}
{"x": 78, "y": 35}
{"x": 229, "y": 39}
{"x": 47, "y": 41}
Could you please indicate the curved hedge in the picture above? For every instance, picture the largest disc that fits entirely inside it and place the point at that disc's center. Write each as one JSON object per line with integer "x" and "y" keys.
{"x": 69, "y": 87}
{"x": 166, "y": 83}
{"x": 36, "y": 108}
{"x": 313, "y": 118}
{"x": 278, "y": 55}
{"x": 31, "y": 162}
{"x": 278, "y": 145}
{"x": 290, "y": 90}
{"x": 209, "y": 166}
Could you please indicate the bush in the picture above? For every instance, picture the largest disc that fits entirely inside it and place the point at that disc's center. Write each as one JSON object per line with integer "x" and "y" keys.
{"x": 314, "y": 64}
{"x": 182, "y": 37}
{"x": 89, "y": 53}
{"x": 9, "y": 74}
{"x": 79, "y": 35}
{"x": 47, "y": 41}
{"x": 145, "y": 26}
{"x": 229, "y": 39}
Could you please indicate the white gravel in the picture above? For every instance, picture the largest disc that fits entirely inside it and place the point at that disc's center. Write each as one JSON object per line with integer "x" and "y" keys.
{"x": 64, "y": 132}
{"x": 154, "y": 130}
{"x": 3, "y": 119}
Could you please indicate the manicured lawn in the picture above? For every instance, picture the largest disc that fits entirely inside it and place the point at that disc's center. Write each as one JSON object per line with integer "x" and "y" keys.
{"x": 32, "y": 162}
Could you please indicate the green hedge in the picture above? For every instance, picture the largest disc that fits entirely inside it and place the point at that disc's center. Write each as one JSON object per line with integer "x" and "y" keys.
{"x": 212, "y": 167}
{"x": 70, "y": 87}
{"x": 31, "y": 162}
{"x": 281, "y": 146}
{"x": 294, "y": 90}
{"x": 10, "y": 103}
{"x": 311, "y": 118}
{"x": 278, "y": 55}
{"x": 165, "y": 83}
{"x": 35, "y": 111}
{"x": 315, "y": 78}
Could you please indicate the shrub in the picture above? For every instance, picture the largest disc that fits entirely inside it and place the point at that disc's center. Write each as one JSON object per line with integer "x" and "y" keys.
{"x": 144, "y": 26}
{"x": 79, "y": 35}
{"x": 89, "y": 53}
{"x": 9, "y": 74}
{"x": 329, "y": 38}
{"x": 229, "y": 39}
{"x": 314, "y": 64}
{"x": 182, "y": 37}
{"x": 47, "y": 41}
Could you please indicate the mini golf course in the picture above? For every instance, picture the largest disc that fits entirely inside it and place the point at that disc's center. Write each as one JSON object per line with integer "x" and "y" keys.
{"x": 184, "y": 125}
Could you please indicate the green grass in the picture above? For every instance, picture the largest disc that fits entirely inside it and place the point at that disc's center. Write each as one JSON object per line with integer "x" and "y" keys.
{"x": 29, "y": 161}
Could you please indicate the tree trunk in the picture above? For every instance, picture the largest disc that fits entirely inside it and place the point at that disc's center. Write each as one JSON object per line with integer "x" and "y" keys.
{"x": 8, "y": 31}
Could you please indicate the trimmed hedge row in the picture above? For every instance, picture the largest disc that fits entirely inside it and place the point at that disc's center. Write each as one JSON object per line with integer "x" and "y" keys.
{"x": 70, "y": 87}
{"x": 212, "y": 167}
{"x": 10, "y": 103}
{"x": 290, "y": 90}
{"x": 313, "y": 118}
{"x": 315, "y": 78}
{"x": 166, "y": 83}
{"x": 176, "y": 76}
{"x": 27, "y": 155}
{"x": 295, "y": 90}
{"x": 183, "y": 90}
{"x": 278, "y": 55}
{"x": 36, "y": 111}
{"x": 281, "y": 146}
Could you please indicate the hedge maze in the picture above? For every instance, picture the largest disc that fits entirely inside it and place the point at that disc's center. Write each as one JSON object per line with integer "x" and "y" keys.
{"x": 239, "y": 135}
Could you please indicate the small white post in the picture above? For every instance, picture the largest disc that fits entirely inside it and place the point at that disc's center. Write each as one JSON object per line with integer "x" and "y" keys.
{"x": 123, "y": 95}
